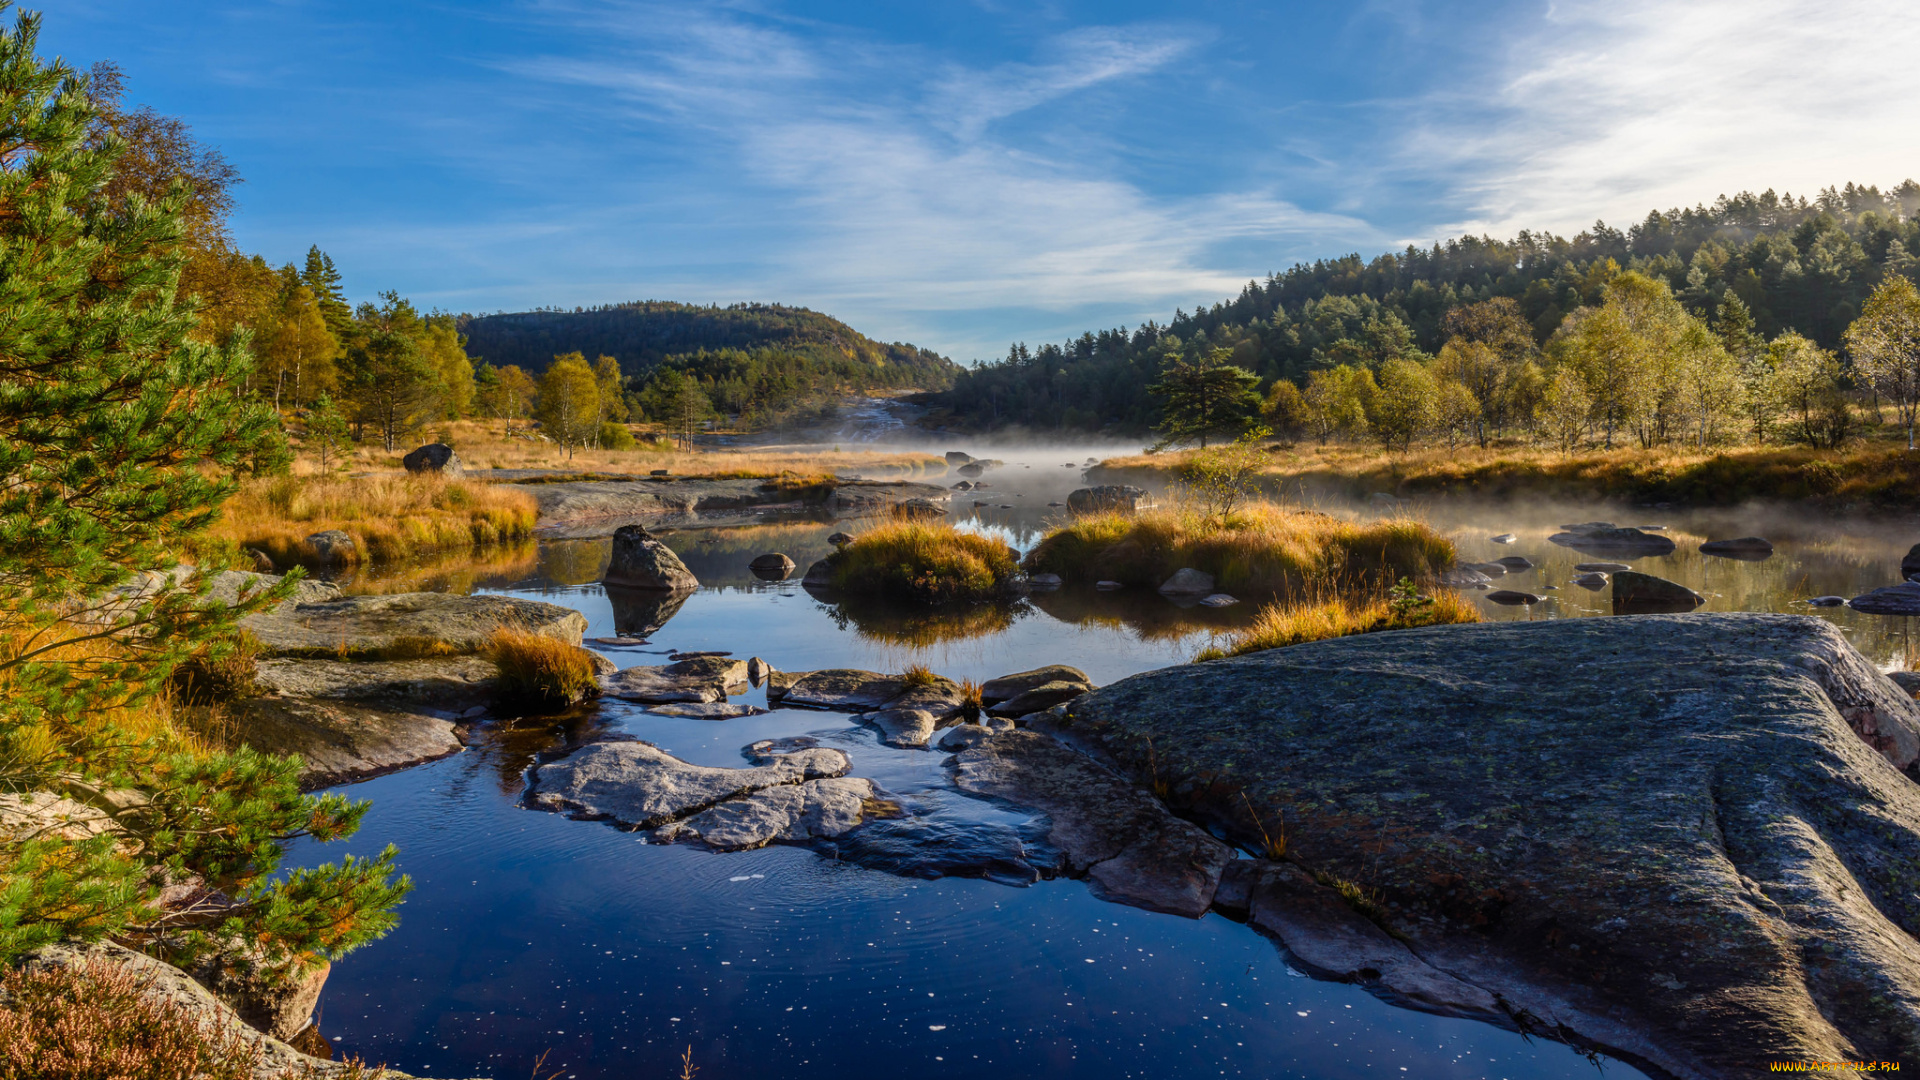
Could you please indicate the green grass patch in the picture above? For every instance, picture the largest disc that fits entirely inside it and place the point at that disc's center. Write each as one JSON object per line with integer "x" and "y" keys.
{"x": 927, "y": 561}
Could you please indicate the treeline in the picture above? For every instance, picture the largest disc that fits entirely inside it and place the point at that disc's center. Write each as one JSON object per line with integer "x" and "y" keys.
{"x": 1799, "y": 265}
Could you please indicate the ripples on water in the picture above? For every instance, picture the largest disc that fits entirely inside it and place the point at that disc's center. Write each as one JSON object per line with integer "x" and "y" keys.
{"x": 529, "y": 932}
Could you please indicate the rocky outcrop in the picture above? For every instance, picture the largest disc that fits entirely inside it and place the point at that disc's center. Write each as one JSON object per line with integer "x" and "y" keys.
{"x": 1910, "y": 563}
{"x": 790, "y": 814}
{"x": 406, "y": 624}
{"x": 1635, "y": 593}
{"x": 701, "y": 679}
{"x": 1902, "y": 599}
{"x": 1688, "y": 839}
{"x": 340, "y": 740}
{"x": 1130, "y": 849}
{"x": 847, "y": 689}
{"x": 1102, "y": 497}
{"x": 994, "y": 691}
{"x": 433, "y": 458}
{"x": 642, "y": 563}
{"x": 640, "y": 786}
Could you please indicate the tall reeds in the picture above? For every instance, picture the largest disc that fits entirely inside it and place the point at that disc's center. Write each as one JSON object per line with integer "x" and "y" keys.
{"x": 389, "y": 516}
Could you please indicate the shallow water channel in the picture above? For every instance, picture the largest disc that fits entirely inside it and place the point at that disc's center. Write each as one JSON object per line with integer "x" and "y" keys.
{"x": 528, "y": 932}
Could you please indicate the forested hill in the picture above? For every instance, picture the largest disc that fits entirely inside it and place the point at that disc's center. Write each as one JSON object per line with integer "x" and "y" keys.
{"x": 641, "y": 335}
{"x": 1797, "y": 264}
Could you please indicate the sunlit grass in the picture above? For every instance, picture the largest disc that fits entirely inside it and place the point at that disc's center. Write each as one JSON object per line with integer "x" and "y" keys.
{"x": 389, "y": 516}
{"x": 540, "y": 671}
{"x": 483, "y": 445}
{"x": 930, "y": 561}
{"x": 1282, "y": 624}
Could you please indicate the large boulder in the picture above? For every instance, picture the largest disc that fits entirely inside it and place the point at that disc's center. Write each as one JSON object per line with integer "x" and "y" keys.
{"x": 1187, "y": 581}
{"x": 332, "y": 547}
{"x": 406, "y": 625}
{"x": 1093, "y": 500}
{"x": 433, "y": 458}
{"x": 1686, "y": 838}
{"x": 955, "y": 457}
{"x": 1040, "y": 698}
{"x": 639, "y": 561}
{"x": 772, "y": 566}
{"x": 1902, "y": 599}
{"x": 995, "y": 691}
{"x": 642, "y": 786}
{"x": 1635, "y": 593}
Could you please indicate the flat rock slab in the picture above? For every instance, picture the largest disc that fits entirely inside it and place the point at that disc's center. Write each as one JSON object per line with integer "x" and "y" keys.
{"x": 1040, "y": 698}
{"x": 1116, "y": 835}
{"x": 641, "y": 786}
{"x": 1628, "y": 541}
{"x": 708, "y": 710}
{"x": 704, "y": 679}
{"x": 907, "y": 728}
{"x": 1688, "y": 838}
{"x": 842, "y": 688}
{"x": 994, "y": 691}
{"x": 341, "y": 740}
{"x": 1901, "y": 599}
{"x": 791, "y": 814}
{"x": 449, "y": 685}
{"x": 406, "y": 624}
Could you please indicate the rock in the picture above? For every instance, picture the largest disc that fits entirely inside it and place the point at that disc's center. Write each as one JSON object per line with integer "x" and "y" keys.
{"x": 446, "y": 685}
{"x": 1747, "y": 549}
{"x": 840, "y": 539}
{"x": 1488, "y": 570}
{"x": 1512, "y": 598}
{"x": 1593, "y": 582}
{"x": 262, "y": 562}
{"x": 1512, "y": 818}
{"x": 45, "y": 815}
{"x": 1040, "y": 698}
{"x": 843, "y": 688}
{"x": 640, "y": 613}
{"x": 922, "y": 509}
{"x": 942, "y": 699}
{"x": 772, "y": 566}
{"x": 1464, "y": 577}
{"x": 791, "y": 813}
{"x": 1043, "y": 581}
{"x": 1103, "y": 497}
{"x": 1641, "y": 594}
{"x": 1589, "y": 527}
{"x": 1219, "y": 600}
{"x": 758, "y": 670}
{"x": 995, "y": 691}
{"x": 1906, "y": 680}
{"x": 400, "y": 625}
{"x": 1187, "y": 582}
{"x": 282, "y": 1009}
{"x": 340, "y": 740}
{"x": 971, "y": 468}
{"x": 229, "y": 586}
{"x": 1910, "y": 563}
{"x": 819, "y": 575}
{"x": 707, "y": 710}
{"x": 964, "y": 485}
{"x": 1108, "y": 586}
{"x": 1119, "y": 837}
{"x": 1601, "y": 567}
{"x": 955, "y": 457}
{"x": 963, "y": 737}
{"x": 433, "y": 458}
{"x": 1515, "y": 564}
{"x": 1503, "y": 538}
{"x": 779, "y": 682}
{"x": 1826, "y": 601}
{"x": 331, "y": 547}
{"x": 906, "y": 728}
{"x": 700, "y": 680}
{"x": 638, "y": 785}
{"x": 641, "y": 562}
{"x": 1634, "y": 541}
{"x": 1901, "y": 599}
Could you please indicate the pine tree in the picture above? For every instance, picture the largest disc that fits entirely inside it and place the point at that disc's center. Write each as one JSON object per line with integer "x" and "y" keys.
{"x": 323, "y": 281}
{"x": 1204, "y": 396}
{"x": 118, "y": 435}
{"x": 1734, "y": 324}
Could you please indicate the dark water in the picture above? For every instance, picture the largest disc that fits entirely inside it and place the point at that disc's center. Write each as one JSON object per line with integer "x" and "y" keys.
{"x": 529, "y": 933}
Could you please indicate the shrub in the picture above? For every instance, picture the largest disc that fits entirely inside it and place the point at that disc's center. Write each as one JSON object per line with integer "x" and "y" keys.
{"x": 93, "y": 1020}
{"x": 615, "y": 436}
{"x": 928, "y": 561}
{"x": 1280, "y": 625}
{"x": 918, "y": 675}
{"x": 541, "y": 672}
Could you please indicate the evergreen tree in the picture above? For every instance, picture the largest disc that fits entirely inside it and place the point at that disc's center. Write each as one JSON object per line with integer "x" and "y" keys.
{"x": 1204, "y": 396}
{"x": 323, "y": 281}
{"x": 392, "y": 386}
{"x": 118, "y": 433}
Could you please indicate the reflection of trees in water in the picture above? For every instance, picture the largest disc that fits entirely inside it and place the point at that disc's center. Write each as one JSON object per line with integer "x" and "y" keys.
{"x": 920, "y": 626}
{"x": 510, "y": 746}
{"x": 1146, "y": 615}
{"x": 458, "y": 572}
{"x": 575, "y": 562}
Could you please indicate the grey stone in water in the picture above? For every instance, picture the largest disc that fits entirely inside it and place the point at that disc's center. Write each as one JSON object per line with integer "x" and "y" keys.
{"x": 343, "y": 739}
{"x": 375, "y": 626}
{"x": 1635, "y": 541}
{"x": 843, "y": 688}
{"x": 1826, "y": 601}
{"x": 994, "y": 691}
{"x": 906, "y": 728}
{"x": 1515, "y": 564}
{"x": 1044, "y": 581}
{"x": 963, "y": 737}
{"x": 1040, "y": 698}
{"x": 772, "y": 566}
{"x": 639, "y": 561}
{"x": 1503, "y": 538}
{"x": 1746, "y": 549}
{"x": 1489, "y": 570}
{"x": 819, "y": 575}
{"x": 1119, "y": 837}
{"x": 791, "y": 813}
{"x": 964, "y": 485}
{"x": 331, "y": 547}
{"x": 1108, "y": 586}
{"x": 1594, "y": 581}
{"x": 971, "y": 468}
{"x": 955, "y": 457}
{"x": 758, "y": 670}
{"x": 1910, "y": 562}
{"x": 1464, "y": 577}
{"x": 1643, "y": 594}
{"x": 1601, "y": 567}
{"x": 1219, "y": 600}
{"x": 707, "y": 710}
{"x": 1901, "y": 599}
{"x": 1525, "y": 821}
{"x": 642, "y": 786}
{"x": 779, "y": 682}
{"x": 1187, "y": 582}
{"x": 1101, "y": 497}
{"x": 1512, "y": 598}
{"x": 1589, "y": 526}
{"x": 434, "y": 458}
{"x": 919, "y": 508}
{"x": 229, "y": 586}
{"x": 702, "y": 679}
{"x": 840, "y": 539}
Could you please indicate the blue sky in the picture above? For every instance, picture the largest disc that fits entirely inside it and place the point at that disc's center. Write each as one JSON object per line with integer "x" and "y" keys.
{"x": 964, "y": 174}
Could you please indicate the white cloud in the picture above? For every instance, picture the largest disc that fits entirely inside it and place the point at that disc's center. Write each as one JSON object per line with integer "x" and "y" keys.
{"x": 1612, "y": 108}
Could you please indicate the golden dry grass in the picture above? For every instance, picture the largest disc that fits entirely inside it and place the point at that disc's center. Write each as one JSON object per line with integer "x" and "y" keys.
{"x": 483, "y": 446}
{"x": 1262, "y": 548}
{"x": 389, "y": 516}
{"x": 1280, "y": 625}
{"x": 160, "y": 718}
{"x": 541, "y": 672}
{"x": 930, "y": 561}
{"x": 1869, "y": 472}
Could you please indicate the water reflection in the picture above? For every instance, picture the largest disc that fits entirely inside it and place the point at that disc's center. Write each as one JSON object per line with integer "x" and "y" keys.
{"x": 918, "y": 626}
{"x": 642, "y": 612}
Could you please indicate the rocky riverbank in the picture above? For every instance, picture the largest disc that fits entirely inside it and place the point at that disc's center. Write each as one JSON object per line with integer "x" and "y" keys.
{"x": 588, "y": 508}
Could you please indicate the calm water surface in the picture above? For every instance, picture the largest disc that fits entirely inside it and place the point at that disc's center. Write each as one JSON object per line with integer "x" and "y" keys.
{"x": 528, "y": 932}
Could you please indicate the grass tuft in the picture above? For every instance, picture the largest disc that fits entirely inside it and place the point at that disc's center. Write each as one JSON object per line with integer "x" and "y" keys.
{"x": 929, "y": 561}
{"x": 919, "y": 675}
{"x": 537, "y": 671}
{"x": 1280, "y": 625}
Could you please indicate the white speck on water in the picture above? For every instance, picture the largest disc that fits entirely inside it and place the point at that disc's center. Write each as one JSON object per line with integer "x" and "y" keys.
{"x": 936, "y": 1027}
